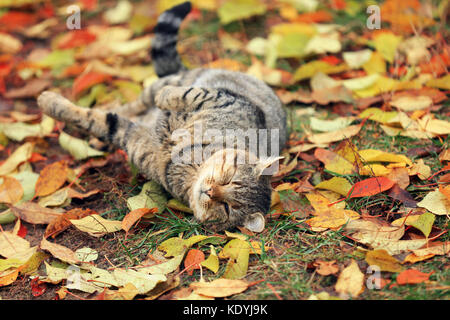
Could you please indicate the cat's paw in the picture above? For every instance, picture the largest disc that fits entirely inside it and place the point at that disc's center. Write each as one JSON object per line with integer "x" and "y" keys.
{"x": 45, "y": 100}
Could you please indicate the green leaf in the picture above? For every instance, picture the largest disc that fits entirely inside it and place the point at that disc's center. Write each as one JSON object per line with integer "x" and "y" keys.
{"x": 232, "y": 10}
{"x": 78, "y": 148}
{"x": 152, "y": 195}
{"x": 424, "y": 223}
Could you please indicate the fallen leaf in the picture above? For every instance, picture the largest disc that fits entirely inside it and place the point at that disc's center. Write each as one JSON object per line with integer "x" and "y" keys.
{"x": 21, "y": 154}
{"x": 337, "y": 184}
{"x": 32, "y": 89}
{"x": 151, "y": 196}
{"x": 412, "y": 103}
{"x": 370, "y": 187}
{"x": 62, "y": 222}
{"x": 350, "y": 281}
{"x": 86, "y": 254}
{"x": 134, "y": 216}
{"x": 424, "y": 223}
{"x": 11, "y": 190}
{"x": 51, "y": 178}
{"x": 334, "y": 162}
{"x": 383, "y": 260}
{"x": 11, "y": 244}
{"x": 60, "y": 252}
{"x": 435, "y": 202}
{"x": 194, "y": 258}
{"x": 96, "y": 226}
{"x": 412, "y": 276}
{"x": 325, "y": 268}
{"x": 238, "y": 252}
{"x": 333, "y": 136}
{"x": 78, "y": 148}
{"x": 33, "y": 213}
{"x": 219, "y": 288}
{"x": 212, "y": 262}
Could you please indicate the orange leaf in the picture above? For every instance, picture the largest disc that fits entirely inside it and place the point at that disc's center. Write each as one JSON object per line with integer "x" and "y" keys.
{"x": 311, "y": 17}
{"x": 370, "y": 187}
{"x": 11, "y": 190}
{"x": 412, "y": 276}
{"x": 51, "y": 178}
{"x": 87, "y": 80}
{"x": 77, "y": 38}
{"x": 193, "y": 259}
{"x": 62, "y": 222}
{"x": 8, "y": 277}
{"x": 134, "y": 216}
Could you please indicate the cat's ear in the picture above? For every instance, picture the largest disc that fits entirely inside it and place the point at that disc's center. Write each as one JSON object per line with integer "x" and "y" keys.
{"x": 255, "y": 222}
{"x": 264, "y": 166}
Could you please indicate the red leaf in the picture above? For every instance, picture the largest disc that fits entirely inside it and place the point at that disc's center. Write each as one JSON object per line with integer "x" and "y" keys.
{"x": 134, "y": 216}
{"x": 87, "y": 80}
{"x": 16, "y": 19}
{"x": 37, "y": 287}
{"x": 77, "y": 38}
{"x": 333, "y": 60}
{"x": 412, "y": 276}
{"x": 22, "y": 231}
{"x": 370, "y": 187}
{"x": 89, "y": 5}
{"x": 193, "y": 259}
{"x": 35, "y": 157}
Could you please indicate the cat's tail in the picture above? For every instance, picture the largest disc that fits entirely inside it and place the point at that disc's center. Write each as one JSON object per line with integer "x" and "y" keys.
{"x": 164, "y": 53}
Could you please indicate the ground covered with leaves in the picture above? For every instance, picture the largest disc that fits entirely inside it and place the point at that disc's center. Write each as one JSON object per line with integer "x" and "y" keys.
{"x": 361, "y": 202}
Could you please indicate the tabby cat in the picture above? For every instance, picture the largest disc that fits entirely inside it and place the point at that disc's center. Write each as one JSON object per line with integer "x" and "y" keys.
{"x": 223, "y": 191}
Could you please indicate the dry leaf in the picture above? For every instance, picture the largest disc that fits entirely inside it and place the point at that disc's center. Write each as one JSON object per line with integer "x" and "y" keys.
{"x": 51, "y": 178}
{"x": 350, "y": 281}
{"x": 219, "y": 288}
{"x": 11, "y": 190}
{"x": 34, "y": 213}
{"x": 60, "y": 252}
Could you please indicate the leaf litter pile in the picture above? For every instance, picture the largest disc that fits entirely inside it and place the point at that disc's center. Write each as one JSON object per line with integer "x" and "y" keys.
{"x": 360, "y": 205}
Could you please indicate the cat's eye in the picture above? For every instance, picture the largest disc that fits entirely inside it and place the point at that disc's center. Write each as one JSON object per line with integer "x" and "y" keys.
{"x": 236, "y": 183}
{"x": 227, "y": 208}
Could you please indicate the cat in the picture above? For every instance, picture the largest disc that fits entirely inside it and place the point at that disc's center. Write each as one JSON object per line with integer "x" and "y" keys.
{"x": 223, "y": 191}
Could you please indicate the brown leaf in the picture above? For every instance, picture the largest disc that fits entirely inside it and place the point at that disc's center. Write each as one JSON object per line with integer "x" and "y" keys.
{"x": 58, "y": 251}
{"x": 33, "y": 213}
{"x": 11, "y": 190}
{"x": 71, "y": 193}
{"x": 325, "y": 268}
{"x": 30, "y": 90}
{"x": 51, "y": 178}
{"x": 134, "y": 216}
{"x": 62, "y": 222}
{"x": 402, "y": 195}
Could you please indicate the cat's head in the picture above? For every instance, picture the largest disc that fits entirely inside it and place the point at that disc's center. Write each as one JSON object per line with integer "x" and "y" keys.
{"x": 229, "y": 192}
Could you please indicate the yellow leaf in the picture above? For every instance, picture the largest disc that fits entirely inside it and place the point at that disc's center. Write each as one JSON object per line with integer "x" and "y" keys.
{"x": 333, "y": 136}
{"x": 238, "y": 252}
{"x": 441, "y": 83}
{"x": 219, "y": 288}
{"x": 97, "y": 226}
{"x": 372, "y": 155}
{"x": 212, "y": 263}
{"x": 376, "y": 114}
{"x": 383, "y": 260}
{"x": 375, "y": 65}
{"x": 21, "y": 154}
{"x": 420, "y": 169}
{"x": 374, "y": 169}
{"x": 350, "y": 281}
{"x": 309, "y": 69}
{"x": 332, "y": 218}
{"x": 386, "y": 44}
{"x": 336, "y": 184}
{"x": 436, "y": 202}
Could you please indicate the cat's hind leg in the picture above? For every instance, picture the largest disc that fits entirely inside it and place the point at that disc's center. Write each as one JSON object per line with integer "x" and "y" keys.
{"x": 191, "y": 99}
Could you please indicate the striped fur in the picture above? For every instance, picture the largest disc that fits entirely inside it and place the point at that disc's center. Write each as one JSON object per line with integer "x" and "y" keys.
{"x": 222, "y": 191}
